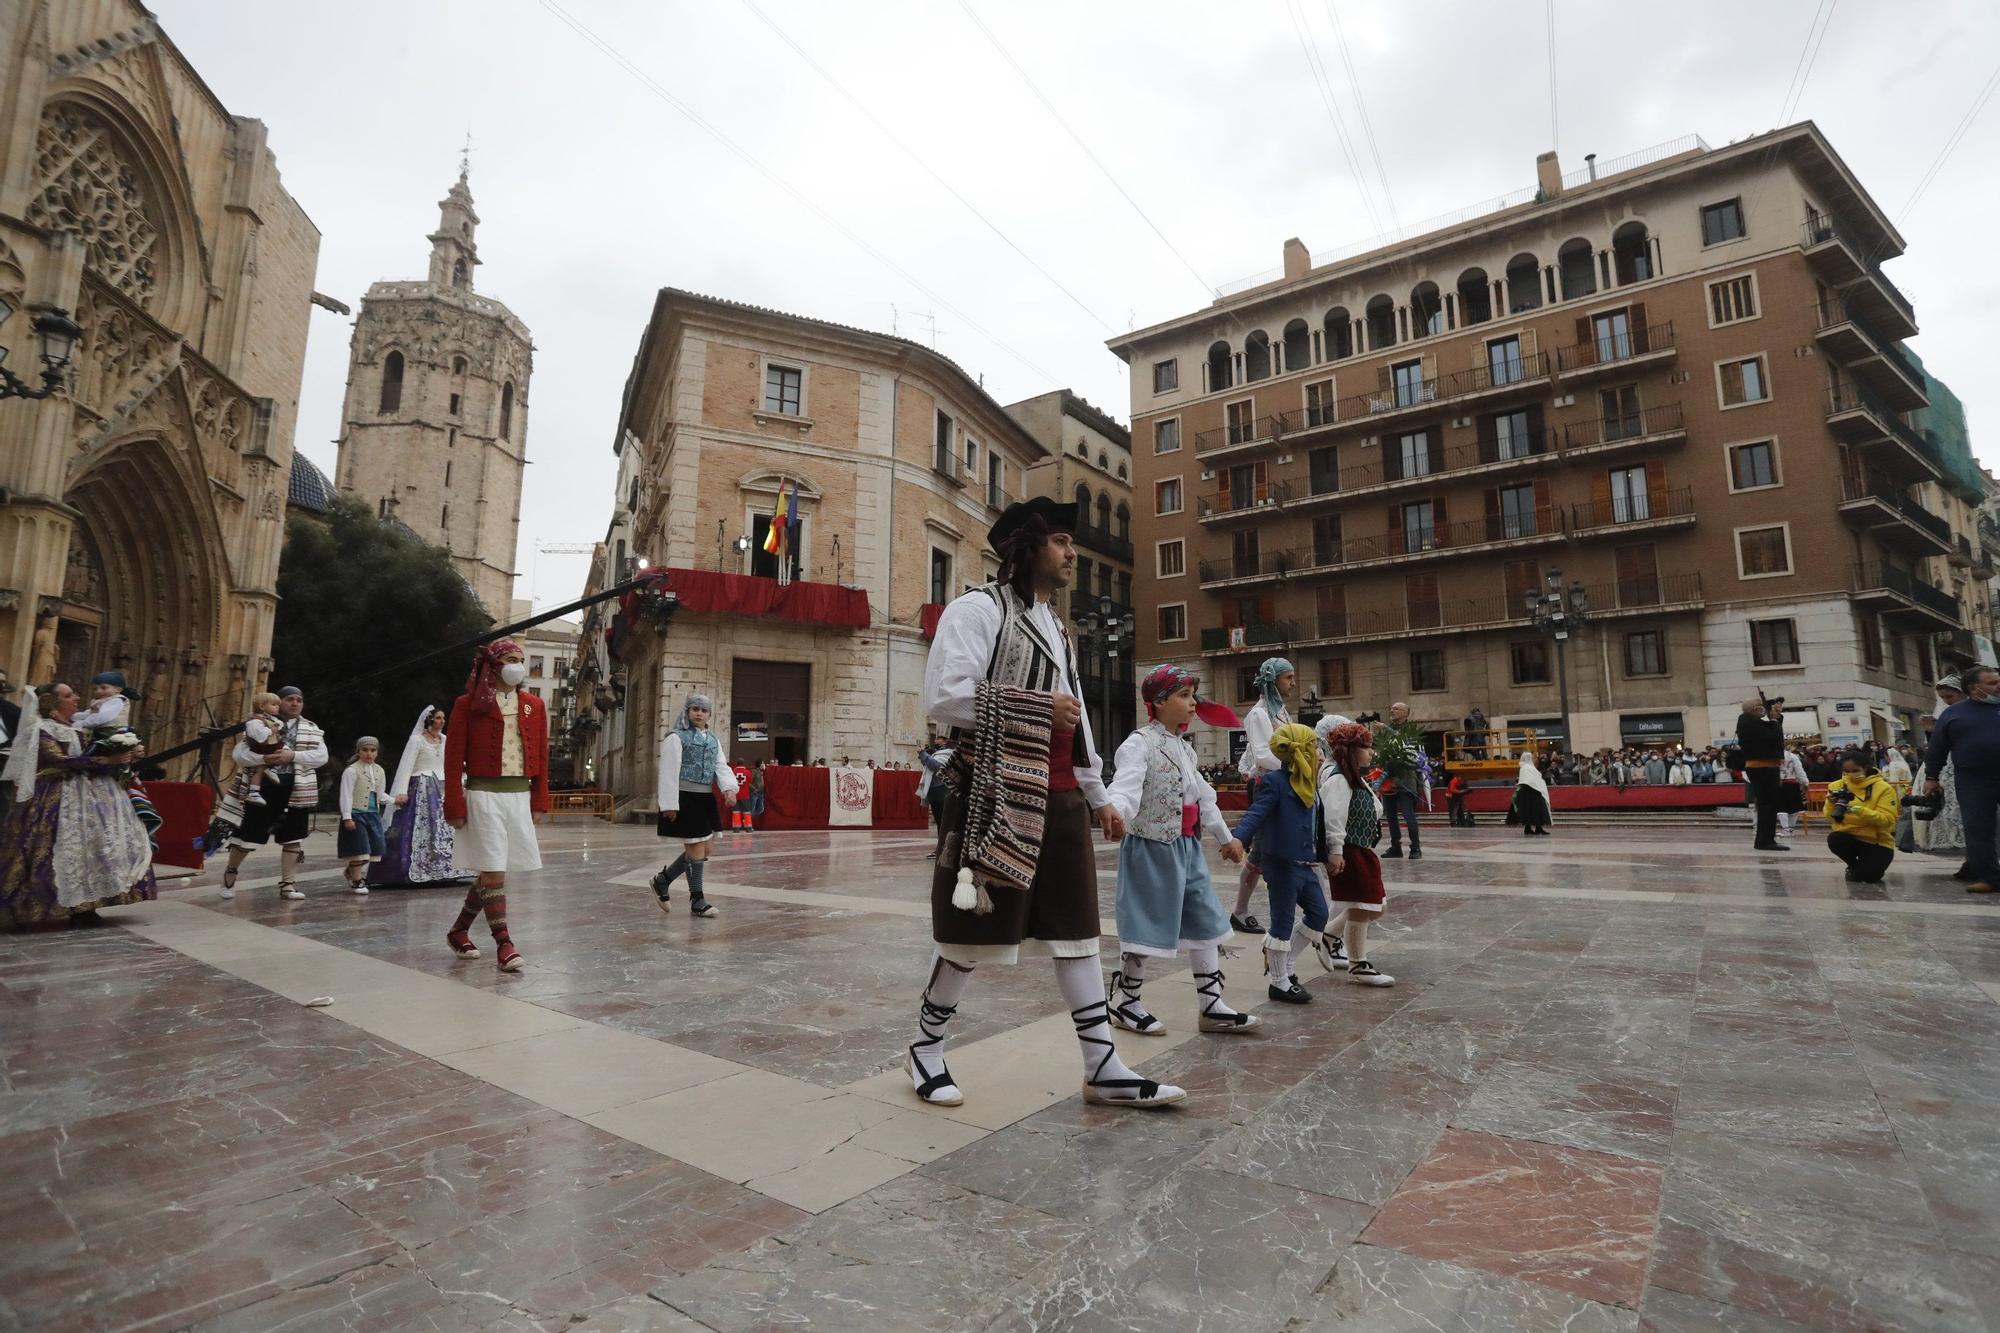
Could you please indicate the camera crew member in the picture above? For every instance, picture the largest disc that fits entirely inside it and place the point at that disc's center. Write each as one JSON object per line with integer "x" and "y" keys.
{"x": 1760, "y": 735}
{"x": 1968, "y": 735}
{"x": 1862, "y": 807}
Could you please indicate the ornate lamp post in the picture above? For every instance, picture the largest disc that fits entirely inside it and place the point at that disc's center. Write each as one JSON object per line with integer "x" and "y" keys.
{"x": 1101, "y": 634}
{"x": 1558, "y": 612}
{"x": 59, "y": 334}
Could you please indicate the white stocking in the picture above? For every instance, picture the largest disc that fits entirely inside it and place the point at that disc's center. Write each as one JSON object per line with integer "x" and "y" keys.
{"x": 946, "y": 986}
{"x": 1081, "y": 981}
{"x": 1207, "y": 961}
{"x": 1278, "y": 954}
{"x": 1131, "y": 976}
{"x": 1355, "y": 936}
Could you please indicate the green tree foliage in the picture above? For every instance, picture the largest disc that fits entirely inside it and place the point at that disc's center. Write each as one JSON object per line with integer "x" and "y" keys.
{"x": 355, "y": 595}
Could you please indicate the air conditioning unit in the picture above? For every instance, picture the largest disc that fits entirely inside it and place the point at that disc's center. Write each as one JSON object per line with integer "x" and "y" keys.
{"x": 1460, "y": 423}
{"x": 1284, "y": 459}
{"x": 1208, "y": 474}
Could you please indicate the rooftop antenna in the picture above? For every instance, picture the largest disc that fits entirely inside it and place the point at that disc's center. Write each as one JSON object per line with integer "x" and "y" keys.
{"x": 930, "y": 318}
{"x": 894, "y": 318}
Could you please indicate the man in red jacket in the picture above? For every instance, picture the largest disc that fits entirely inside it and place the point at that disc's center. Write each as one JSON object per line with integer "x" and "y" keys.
{"x": 496, "y": 780}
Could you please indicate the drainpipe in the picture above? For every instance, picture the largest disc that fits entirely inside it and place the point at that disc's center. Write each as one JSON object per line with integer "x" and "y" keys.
{"x": 889, "y": 577}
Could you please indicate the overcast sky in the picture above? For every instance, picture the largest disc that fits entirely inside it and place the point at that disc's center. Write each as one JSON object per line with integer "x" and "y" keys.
{"x": 593, "y": 191}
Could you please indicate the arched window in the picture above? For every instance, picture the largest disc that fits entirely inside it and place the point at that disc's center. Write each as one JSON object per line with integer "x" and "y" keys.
{"x": 1339, "y": 333}
{"x": 507, "y": 410}
{"x": 392, "y": 383}
{"x": 1103, "y": 461}
{"x": 1219, "y": 366}
{"x": 458, "y": 365}
{"x": 1475, "y": 297}
{"x": 1082, "y": 503}
{"x": 1298, "y": 345}
{"x": 1104, "y": 513}
{"x": 458, "y": 273}
{"x": 1381, "y": 320}
{"x": 1257, "y": 357}
{"x": 1631, "y": 253}
{"x": 1081, "y": 452}
{"x": 1576, "y": 269}
{"x": 1426, "y": 310}
{"x": 1124, "y": 516}
{"x": 1121, "y": 469}
{"x": 1524, "y": 284}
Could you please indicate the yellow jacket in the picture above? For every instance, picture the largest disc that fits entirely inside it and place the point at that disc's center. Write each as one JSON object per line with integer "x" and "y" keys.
{"x": 1871, "y": 816}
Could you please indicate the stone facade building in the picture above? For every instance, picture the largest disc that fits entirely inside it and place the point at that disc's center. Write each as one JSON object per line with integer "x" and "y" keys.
{"x": 900, "y": 462}
{"x": 1090, "y": 462}
{"x": 434, "y": 429}
{"x": 144, "y": 503}
{"x": 1677, "y": 380}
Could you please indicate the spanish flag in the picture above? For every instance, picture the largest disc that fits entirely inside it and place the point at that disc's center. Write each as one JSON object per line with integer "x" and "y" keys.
{"x": 774, "y": 540}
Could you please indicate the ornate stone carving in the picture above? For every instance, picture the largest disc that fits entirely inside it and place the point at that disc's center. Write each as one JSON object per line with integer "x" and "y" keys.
{"x": 87, "y": 186}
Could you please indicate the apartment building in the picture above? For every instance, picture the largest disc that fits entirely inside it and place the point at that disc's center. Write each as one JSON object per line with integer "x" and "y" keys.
{"x": 1672, "y": 387}
{"x": 894, "y": 462}
{"x": 1090, "y": 462}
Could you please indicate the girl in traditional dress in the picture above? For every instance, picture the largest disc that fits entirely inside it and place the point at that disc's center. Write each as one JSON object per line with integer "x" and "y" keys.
{"x": 363, "y": 791}
{"x": 1350, "y": 819}
{"x": 1166, "y": 902}
{"x": 1275, "y": 679}
{"x": 420, "y": 842}
{"x": 1792, "y": 782}
{"x": 1944, "y": 834}
{"x": 71, "y": 842}
{"x": 693, "y": 769}
{"x": 1283, "y": 811}
{"x": 1531, "y": 799}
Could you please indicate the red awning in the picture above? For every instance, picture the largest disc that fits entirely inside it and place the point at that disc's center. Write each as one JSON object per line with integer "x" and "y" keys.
{"x": 933, "y": 612}
{"x": 740, "y": 594}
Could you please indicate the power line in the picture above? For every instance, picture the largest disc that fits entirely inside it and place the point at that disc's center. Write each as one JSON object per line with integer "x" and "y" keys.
{"x": 947, "y": 186}
{"x": 1795, "y": 91}
{"x": 1361, "y": 105}
{"x": 660, "y": 91}
{"x": 1310, "y": 48}
{"x": 1958, "y": 133}
{"x": 1555, "y": 125}
{"x": 1095, "y": 160}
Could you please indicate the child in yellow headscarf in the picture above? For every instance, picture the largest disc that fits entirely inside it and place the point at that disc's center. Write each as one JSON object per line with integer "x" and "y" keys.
{"x": 1283, "y": 812}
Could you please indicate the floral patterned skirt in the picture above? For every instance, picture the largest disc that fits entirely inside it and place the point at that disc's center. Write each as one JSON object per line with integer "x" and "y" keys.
{"x": 32, "y": 841}
{"x": 420, "y": 842}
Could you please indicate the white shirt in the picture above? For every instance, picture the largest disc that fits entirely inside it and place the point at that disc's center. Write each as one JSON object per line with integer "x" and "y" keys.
{"x": 1258, "y": 728}
{"x": 1334, "y": 794}
{"x": 356, "y": 782}
{"x": 1128, "y": 784}
{"x": 304, "y": 762}
{"x": 1896, "y": 770}
{"x": 964, "y": 644}
{"x": 1791, "y": 769}
{"x": 668, "y": 789}
{"x": 106, "y": 712}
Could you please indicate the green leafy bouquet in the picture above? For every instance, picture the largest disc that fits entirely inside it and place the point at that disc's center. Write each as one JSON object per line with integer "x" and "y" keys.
{"x": 1400, "y": 754}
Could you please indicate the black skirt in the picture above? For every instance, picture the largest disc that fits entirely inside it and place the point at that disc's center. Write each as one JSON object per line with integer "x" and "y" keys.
{"x": 1791, "y": 798}
{"x": 697, "y": 819}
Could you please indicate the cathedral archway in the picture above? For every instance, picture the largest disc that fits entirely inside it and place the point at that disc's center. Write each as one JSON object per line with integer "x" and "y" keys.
{"x": 145, "y": 567}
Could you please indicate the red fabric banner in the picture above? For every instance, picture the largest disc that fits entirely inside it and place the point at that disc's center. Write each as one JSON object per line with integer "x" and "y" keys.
{"x": 932, "y": 613}
{"x": 185, "y": 808}
{"x": 896, "y": 803}
{"x": 740, "y": 594}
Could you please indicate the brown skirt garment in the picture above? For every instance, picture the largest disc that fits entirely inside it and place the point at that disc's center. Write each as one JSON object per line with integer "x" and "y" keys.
{"x": 1061, "y": 902}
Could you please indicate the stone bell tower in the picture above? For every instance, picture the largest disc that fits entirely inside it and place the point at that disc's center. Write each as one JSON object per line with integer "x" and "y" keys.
{"x": 435, "y": 425}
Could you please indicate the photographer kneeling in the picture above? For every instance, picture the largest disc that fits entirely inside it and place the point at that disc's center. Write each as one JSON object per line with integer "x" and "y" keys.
{"x": 1862, "y": 806}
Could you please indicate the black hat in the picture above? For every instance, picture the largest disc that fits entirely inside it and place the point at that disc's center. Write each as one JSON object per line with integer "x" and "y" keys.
{"x": 1060, "y": 515}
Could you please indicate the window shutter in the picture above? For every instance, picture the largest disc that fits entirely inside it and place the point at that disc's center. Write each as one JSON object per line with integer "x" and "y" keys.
{"x": 1392, "y": 459}
{"x": 1438, "y": 521}
{"x": 1600, "y": 498}
{"x": 1263, "y": 475}
{"x": 1395, "y": 528}
{"x": 1267, "y": 609}
{"x": 1638, "y": 318}
{"x": 1493, "y": 524}
{"x": 1222, "y": 495}
{"x": 1732, "y": 382}
{"x": 1545, "y": 514}
{"x": 1384, "y": 378}
{"x": 1430, "y": 365}
{"x": 1528, "y": 346}
{"x": 1434, "y": 446}
{"x": 1489, "y": 440}
{"x": 1537, "y": 442}
{"x": 1656, "y": 488}
{"x": 1586, "y": 342}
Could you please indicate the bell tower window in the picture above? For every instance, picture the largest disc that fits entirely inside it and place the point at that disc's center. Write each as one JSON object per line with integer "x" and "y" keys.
{"x": 392, "y": 384}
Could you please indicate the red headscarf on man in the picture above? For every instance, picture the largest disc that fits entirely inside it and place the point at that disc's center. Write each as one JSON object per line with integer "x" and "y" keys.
{"x": 484, "y": 682}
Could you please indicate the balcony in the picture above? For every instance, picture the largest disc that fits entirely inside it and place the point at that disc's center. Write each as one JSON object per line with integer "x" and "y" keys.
{"x": 1645, "y": 429}
{"x": 997, "y": 498}
{"x": 1844, "y": 260}
{"x": 1960, "y": 553}
{"x": 1877, "y": 505}
{"x": 1887, "y": 588}
{"x": 1246, "y": 638}
{"x": 947, "y": 465}
{"x": 1854, "y": 341}
{"x": 1619, "y": 515}
{"x": 1413, "y": 398}
{"x": 1476, "y": 458}
{"x": 1860, "y": 417}
{"x": 1099, "y": 538}
{"x": 1247, "y": 571}
{"x": 1421, "y": 620}
{"x": 1473, "y": 537}
{"x": 1222, "y": 505}
{"x": 1655, "y": 595}
{"x": 1240, "y": 438}
{"x": 1620, "y": 352}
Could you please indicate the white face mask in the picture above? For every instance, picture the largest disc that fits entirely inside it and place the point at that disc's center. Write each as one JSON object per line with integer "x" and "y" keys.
{"x": 513, "y": 673}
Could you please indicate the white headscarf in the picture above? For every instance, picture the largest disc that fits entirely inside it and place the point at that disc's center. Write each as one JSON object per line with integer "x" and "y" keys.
{"x": 1530, "y": 776}
{"x": 27, "y": 751}
{"x": 401, "y": 786}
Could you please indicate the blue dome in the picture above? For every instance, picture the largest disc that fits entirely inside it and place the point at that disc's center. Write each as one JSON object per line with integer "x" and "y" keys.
{"x": 309, "y": 490}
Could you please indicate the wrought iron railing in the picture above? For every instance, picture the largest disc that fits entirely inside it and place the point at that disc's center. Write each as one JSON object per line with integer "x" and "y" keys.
{"x": 1871, "y": 485}
{"x": 1821, "y": 229}
{"x": 1851, "y": 397}
{"x": 1659, "y": 419}
{"x": 1835, "y": 311}
{"x": 1610, "y": 348}
{"x": 1881, "y": 574}
{"x": 1639, "y": 507}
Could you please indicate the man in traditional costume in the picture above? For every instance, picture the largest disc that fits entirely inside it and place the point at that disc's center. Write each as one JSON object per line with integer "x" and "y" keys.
{"x": 496, "y": 780}
{"x": 286, "y": 813}
{"x": 1017, "y": 871}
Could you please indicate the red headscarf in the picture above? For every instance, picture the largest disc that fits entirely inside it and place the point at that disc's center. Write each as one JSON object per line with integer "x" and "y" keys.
{"x": 484, "y": 681}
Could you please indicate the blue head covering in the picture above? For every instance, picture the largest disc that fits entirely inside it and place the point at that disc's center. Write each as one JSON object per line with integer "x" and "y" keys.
{"x": 1267, "y": 680}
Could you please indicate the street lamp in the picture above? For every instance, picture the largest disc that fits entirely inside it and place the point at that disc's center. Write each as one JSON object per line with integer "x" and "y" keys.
{"x": 59, "y": 334}
{"x": 1558, "y": 612}
{"x": 1101, "y": 632}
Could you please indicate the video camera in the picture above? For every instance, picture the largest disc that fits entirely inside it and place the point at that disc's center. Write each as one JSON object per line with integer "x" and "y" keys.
{"x": 1772, "y": 707}
{"x": 1923, "y": 806}
{"x": 1365, "y": 718}
{"x": 1842, "y": 801}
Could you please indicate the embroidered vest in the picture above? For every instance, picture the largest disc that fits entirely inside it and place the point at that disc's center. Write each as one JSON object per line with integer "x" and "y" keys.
{"x": 698, "y": 754}
{"x": 1022, "y": 656}
{"x": 1159, "y": 815}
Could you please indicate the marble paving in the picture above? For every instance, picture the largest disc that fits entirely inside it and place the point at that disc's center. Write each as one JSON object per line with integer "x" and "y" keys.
{"x": 1634, "y": 1078}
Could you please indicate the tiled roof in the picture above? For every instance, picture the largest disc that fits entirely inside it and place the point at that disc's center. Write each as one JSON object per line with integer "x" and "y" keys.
{"x": 308, "y": 488}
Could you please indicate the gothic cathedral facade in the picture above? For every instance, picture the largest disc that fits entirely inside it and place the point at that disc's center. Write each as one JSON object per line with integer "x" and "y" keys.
{"x": 435, "y": 424}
